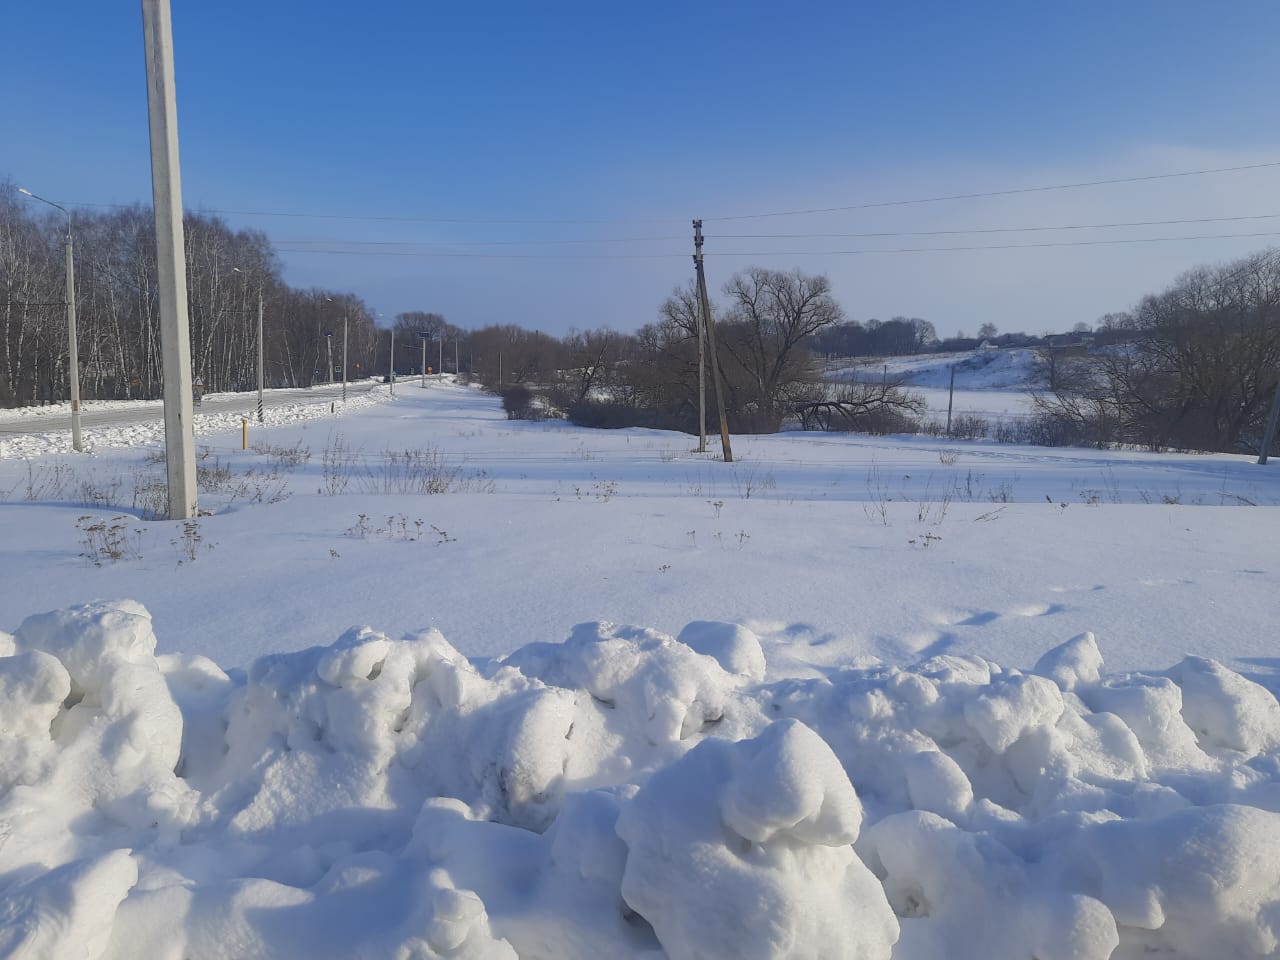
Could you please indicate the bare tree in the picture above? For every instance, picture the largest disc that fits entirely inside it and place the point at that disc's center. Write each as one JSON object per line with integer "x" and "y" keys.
{"x": 771, "y": 315}
{"x": 592, "y": 357}
{"x": 876, "y": 406}
{"x": 1199, "y": 368}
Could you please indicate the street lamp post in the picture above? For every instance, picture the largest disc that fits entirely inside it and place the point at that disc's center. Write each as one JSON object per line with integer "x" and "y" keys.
{"x": 440, "y": 359}
{"x": 73, "y": 358}
{"x": 328, "y": 338}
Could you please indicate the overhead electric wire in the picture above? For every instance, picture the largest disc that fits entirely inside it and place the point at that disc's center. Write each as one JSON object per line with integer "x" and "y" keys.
{"x": 494, "y": 243}
{"x": 993, "y": 193}
{"x": 783, "y": 236}
{"x": 1037, "y": 229}
{"x": 1000, "y": 246}
{"x": 866, "y": 205}
{"x": 784, "y": 253}
{"x": 379, "y": 218}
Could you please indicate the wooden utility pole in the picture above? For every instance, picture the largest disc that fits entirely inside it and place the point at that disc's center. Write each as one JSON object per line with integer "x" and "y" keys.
{"x": 951, "y": 396}
{"x": 705, "y": 304}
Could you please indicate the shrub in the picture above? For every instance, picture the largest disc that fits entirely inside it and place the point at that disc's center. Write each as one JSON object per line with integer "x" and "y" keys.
{"x": 605, "y": 415}
{"x": 520, "y": 403}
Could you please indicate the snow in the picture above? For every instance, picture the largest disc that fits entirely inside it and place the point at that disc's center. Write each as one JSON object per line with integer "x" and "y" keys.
{"x": 991, "y": 384}
{"x": 206, "y": 421}
{"x": 841, "y": 698}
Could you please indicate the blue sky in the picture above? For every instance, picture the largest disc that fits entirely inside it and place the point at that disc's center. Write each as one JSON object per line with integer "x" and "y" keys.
{"x": 424, "y": 128}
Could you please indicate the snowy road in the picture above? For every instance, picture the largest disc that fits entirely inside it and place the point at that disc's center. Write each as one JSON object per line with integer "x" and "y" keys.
{"x": 128, "y": 413}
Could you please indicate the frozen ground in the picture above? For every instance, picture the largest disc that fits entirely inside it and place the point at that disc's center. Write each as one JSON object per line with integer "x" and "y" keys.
{"x": 864, "y": 711}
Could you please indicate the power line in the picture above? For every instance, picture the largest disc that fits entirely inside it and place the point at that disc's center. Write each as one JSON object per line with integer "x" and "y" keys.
{"x": 997, "y": 193}
{"x": 485, "y": 256}
{"x": 781, "y": 236}
{"x": 1002, "y": 246}
{"x": 942, "y": 233}
{"x": 779, "y": 253}
{"x": 493, "y": 243}
{"x": 377, "y": 218}
{"x": 867, "y": 205}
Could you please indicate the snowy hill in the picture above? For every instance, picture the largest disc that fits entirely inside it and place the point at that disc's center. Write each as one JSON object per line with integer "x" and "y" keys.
{"x": 999, "y": 369}
{"x": 993, "y": 385}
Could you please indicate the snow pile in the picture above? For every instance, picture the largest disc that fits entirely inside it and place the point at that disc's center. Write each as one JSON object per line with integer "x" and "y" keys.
{"x": 623, "y": 793}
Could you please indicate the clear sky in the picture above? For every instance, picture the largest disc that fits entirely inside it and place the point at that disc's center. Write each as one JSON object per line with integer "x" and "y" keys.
{"x": 412, "y": 142}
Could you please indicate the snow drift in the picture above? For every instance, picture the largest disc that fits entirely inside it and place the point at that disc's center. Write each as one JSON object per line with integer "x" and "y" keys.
{"x": 623, "y": 793}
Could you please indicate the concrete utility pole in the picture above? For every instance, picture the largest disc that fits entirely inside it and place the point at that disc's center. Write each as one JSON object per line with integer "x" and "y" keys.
{"x": 423, "y": 337}
{"x": 171, "y": 267}
{"x": 328, "y": 337}
{"x": 702, "y": 379}
{"x": 261, "y": 364}
{"x": 73, "y": 357}
{"x": 705, "y": 304}
{"x": 457, "y": 370}
{"x": 345, "y": 316}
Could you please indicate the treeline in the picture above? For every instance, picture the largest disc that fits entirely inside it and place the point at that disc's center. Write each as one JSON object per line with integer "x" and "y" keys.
{"x": 765, "y": 328}
{"x": 117, "y": 313}
{"x": 1197, "y": 370}
{"x": 1192, "y": 368}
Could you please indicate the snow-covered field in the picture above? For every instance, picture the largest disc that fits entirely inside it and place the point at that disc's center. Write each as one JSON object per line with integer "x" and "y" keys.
{"x": 846, "y": 697}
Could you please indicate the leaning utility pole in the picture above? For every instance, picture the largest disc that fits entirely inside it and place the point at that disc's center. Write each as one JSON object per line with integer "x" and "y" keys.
{"x": 710, "y": 326}
{"x": 171, "y": 267}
